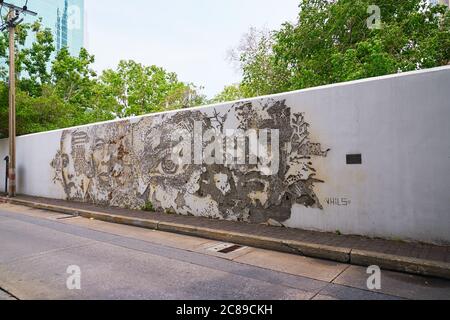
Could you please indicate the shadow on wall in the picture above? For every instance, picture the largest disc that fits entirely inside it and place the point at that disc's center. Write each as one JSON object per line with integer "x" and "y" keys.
{"x": 21, "y": 174}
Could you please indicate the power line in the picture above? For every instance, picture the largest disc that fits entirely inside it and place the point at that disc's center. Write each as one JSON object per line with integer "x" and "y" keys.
{"x": 15, "y": 19}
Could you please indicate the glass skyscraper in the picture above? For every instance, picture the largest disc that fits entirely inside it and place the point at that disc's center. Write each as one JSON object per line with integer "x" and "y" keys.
{"x": 64, "y": 17}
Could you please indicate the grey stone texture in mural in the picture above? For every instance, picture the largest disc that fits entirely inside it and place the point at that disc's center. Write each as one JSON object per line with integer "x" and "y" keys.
{"x": 131, "y": 162}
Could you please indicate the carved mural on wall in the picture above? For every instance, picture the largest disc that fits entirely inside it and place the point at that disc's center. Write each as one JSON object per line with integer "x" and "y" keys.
{"x": 131, "y": 162}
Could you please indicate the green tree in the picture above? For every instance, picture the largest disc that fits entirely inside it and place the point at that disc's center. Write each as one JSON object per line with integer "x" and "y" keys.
{"x": 73, "y": 77}
{"x": 331, "y": 42}
{"x": 135, "y": 89}
{"x": 3, "y": 110}
{"x": 32, "y": 62}
{"x": 35, "y": 114}
{"x": 255, "y": 57}
{"x": 36, "y": 108}
{"x": 230, "y": 93}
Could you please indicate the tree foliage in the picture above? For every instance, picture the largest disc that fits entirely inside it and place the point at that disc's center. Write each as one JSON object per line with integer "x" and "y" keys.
{"x": 331, "y": 42}
{"x": 230, "y": 93}
{"x": 134, "y": 89}
{"x": 57, "y": 90}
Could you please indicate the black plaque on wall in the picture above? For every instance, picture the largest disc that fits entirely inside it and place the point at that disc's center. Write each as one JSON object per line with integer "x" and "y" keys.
{"x": 354, "y": 159}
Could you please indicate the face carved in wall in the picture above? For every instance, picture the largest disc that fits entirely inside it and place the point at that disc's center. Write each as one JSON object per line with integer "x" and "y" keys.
{"x": 130, "y": 164}
{"x": 94, "y": 164}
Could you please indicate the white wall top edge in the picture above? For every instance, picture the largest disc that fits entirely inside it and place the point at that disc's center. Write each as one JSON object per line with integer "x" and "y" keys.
{"x": 324, "y": 87}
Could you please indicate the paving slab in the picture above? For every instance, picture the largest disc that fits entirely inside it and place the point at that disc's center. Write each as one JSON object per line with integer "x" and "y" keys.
{"x": 322, "y": 270}
{"x": 207, "y": 248}
{"x": 34, "y": 212}
{"x": 399, "y": 284}
{"x": 153, "y": 236}
{"x": 336, "y": 292}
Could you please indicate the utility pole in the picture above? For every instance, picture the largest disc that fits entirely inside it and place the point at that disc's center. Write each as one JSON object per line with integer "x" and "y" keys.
{"x": 12, "y": 107}
{"x": 10, "y": 24}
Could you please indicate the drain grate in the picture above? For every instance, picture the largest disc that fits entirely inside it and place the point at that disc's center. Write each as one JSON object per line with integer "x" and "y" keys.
{"x": 225, "y": 248}
{"x": 230, "y": 249}
{"x": 66, "y": 217}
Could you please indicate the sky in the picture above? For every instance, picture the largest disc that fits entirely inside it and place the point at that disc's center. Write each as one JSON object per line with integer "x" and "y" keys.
{"x": 189, "y": 37}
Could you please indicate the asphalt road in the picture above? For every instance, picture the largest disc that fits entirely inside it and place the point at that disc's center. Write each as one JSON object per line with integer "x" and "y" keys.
{"x": 123, "y": 262}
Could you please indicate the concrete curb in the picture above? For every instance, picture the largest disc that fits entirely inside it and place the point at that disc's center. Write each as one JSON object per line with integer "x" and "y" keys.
{"x": 339, "y": 254}
{"x": 403, "y": 264}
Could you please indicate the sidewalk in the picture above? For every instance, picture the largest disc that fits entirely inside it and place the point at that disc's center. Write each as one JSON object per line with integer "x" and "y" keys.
{"x": 416, "y": 258}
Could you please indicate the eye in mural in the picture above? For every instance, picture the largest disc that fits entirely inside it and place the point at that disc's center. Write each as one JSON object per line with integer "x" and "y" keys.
{"x": 129, "y": 164}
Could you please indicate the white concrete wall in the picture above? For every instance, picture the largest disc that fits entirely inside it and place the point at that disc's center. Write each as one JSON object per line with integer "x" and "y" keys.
{"x": 34, "y": 173}
{"x": 400, "y": 125}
